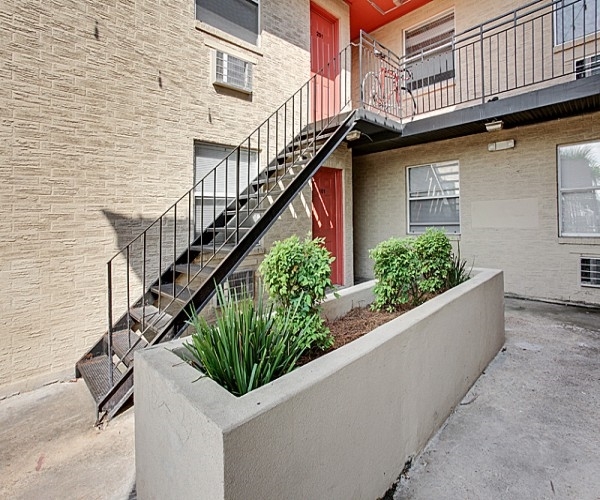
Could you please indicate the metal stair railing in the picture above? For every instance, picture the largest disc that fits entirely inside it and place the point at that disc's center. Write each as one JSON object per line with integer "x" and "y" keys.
{"x": 244, "y": 190}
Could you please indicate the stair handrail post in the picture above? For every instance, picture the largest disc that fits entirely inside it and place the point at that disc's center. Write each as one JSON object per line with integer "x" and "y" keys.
{"x": 110, "y": 324}
{"x": 237, "y": 188}
{"x": 482, "y": 63}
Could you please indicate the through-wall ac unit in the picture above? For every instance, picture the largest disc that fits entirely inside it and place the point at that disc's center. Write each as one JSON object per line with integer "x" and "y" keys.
{"x": 589, "y": 269}
{"x": 232, "y": 72}
{"x": 587, "y": 66}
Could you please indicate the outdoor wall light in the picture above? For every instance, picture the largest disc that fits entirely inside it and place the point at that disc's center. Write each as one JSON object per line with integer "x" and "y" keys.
{"x": 494, "y": 126}
{"x": 353, "y": 135}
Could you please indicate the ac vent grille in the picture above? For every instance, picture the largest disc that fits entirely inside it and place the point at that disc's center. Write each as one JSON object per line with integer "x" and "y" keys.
{"x": 239, "y": 284}
{"x": 587, "y": 67}
{"x": 590, "y": 271}
{"x": 233, "y": 72}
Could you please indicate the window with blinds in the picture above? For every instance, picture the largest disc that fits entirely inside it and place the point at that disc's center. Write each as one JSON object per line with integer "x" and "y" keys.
{"x": 236, "y": 17}
{"x": 428, "y": 51}
{"x": 579, "y": 189}
{"x": 433, "y": 197}
{"x": 219, "y": 187}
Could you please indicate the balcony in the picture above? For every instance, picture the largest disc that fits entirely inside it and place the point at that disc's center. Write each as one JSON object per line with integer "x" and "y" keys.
{"x": 536, "y": 63}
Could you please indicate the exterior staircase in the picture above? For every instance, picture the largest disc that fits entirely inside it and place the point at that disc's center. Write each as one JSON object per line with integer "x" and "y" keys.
{"x": 177, "y": 261}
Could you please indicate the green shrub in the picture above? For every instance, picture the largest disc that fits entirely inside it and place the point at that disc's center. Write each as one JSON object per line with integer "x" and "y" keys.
{"x": 408, "y": 269}
{"x": 434, "y": 253}
{"x": 296, "y": 275}
{"x": 246, "y": 348}
{"x": 397, "y": 273}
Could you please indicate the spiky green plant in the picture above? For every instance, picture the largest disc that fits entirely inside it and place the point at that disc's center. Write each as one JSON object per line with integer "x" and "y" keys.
{"x": 246, "y": 347}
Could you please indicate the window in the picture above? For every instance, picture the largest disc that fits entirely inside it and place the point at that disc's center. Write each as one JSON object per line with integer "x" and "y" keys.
{"x": 579, "y": 189}
{"x": 233, "y": 72}
{"x": 428, "y": 49}
{"x": 236, "y": 17}
{"x": 575, "y": 19}
{"x": 433, "y": 197}
{"x": 219, "y": 187}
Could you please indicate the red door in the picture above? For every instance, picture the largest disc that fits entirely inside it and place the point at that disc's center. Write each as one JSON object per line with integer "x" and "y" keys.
{"x": 327, "y": 216}
{"x": 324, "y": 63}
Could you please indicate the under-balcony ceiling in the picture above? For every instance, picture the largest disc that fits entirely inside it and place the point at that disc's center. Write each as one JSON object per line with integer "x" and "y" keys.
{"x": 559, "y": 101}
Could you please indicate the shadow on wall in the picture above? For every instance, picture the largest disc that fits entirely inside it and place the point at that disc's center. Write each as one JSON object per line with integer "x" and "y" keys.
{"x": 148, "y": 253}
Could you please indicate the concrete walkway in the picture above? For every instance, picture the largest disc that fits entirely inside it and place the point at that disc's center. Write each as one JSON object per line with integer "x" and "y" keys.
{"x": 530, "y": 426}
{"x": 50, "y": 449}
{"x": 528, "y": 429}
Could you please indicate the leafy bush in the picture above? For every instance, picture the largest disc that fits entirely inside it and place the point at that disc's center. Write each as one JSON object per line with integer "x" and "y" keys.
{"x": 397, "y": 273}
{"x": 296, "y": 275}
{"x": 434, "y": 253}
{"x": 408, "y": 269}
{"x": 246, "y": 348}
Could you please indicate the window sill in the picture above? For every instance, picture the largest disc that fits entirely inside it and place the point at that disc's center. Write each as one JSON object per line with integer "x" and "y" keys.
{"x": 226, "y": 37}
{"x": 579, "y": 240}
{"x": 571, "y": 44}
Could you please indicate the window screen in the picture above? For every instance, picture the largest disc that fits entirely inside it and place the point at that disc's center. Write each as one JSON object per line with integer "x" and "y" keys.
{"x": 428, "y": 50}
{"x": 236, "y": 17}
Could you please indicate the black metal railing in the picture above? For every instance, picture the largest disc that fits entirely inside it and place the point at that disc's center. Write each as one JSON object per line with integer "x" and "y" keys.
{"x": 384, "y": 80}
{"x": 215, "y": 214}
{"x": 539, "y": 44}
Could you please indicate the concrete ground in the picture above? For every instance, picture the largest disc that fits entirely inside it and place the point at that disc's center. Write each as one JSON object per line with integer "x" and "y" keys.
{"x": 528, "y": 429}
{"x": 530, "y": 426}
{"x": 50, "y": 449}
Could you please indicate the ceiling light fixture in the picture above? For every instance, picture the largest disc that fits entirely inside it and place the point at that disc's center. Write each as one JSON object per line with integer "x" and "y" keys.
{"x": 494, "y": 125}
{"x": 353, "y": 135}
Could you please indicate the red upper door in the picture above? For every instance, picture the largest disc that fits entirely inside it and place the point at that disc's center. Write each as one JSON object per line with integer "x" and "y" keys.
{"x": 324, "y": 62}
{"x": 327, "y": 216}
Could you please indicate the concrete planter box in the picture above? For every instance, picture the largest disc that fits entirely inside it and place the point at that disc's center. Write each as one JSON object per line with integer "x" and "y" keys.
{"x": 340, "y": 427}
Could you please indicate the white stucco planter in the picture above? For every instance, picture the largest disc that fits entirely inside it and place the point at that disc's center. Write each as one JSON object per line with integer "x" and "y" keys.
{"x": 340, "y": 427}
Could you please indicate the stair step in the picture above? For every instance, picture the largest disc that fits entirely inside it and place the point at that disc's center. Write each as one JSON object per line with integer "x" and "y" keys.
{"x": 295, "y": 157}
{"x": 244, "y": 219}
{"x": 306, "y": 140}
{"x": 95, "y": 372}
{"x": 230, "y": 230}
{"x": 209, "y": 247}
{"x": 182, "y": 293}
{"x": 153, "y": 318}
{"x": 244, "y": 213}
{"x": 194, "y": 270}
{"x": 126, "y": 340}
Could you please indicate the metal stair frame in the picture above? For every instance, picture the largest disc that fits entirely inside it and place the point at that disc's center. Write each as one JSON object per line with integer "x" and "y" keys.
{"x": 328, "y": 131}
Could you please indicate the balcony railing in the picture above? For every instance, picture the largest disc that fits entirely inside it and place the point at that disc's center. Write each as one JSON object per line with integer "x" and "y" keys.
{"x": 537, "y": 45}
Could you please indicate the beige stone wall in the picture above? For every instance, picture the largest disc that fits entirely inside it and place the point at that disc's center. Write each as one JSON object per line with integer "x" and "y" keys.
{"x": 493, "y": 185}
{"x": 100, "y": 104}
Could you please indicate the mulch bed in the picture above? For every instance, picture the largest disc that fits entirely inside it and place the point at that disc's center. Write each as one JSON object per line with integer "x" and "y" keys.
{"x": 353, "y": 325}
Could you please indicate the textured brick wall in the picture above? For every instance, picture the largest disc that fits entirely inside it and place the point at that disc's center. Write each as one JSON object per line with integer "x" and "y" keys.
{"x": 536, "y": 262}
{"x": 100, "y": 103}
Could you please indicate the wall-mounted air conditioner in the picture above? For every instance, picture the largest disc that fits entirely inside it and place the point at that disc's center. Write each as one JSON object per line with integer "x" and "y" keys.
{"x": 587, "y": 66}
